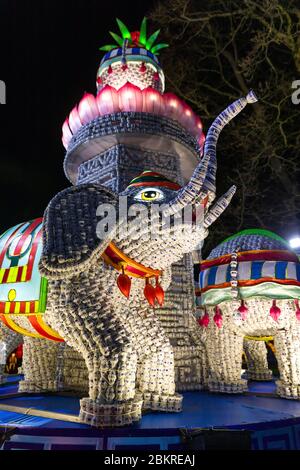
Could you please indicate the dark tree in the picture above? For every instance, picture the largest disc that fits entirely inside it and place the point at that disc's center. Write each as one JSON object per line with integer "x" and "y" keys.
{"x": 218, "y": 51}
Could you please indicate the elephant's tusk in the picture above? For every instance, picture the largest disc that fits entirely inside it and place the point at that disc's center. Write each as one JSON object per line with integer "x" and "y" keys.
{"x": 219, "y": 207}
{"x": 192, "y": 192}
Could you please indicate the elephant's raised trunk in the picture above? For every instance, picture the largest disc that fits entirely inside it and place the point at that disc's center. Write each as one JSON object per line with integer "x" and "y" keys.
{"x": 203, "y": 180}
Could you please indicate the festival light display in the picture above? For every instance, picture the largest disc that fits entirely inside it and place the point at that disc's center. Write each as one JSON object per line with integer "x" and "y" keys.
{"x": 96, "y": 296}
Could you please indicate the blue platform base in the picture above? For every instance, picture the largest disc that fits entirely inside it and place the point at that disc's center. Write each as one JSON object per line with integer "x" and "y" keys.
{"x": 274, "y": 423}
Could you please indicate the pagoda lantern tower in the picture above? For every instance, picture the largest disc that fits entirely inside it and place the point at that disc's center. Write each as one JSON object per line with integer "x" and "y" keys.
{"x": 129, "y": 126}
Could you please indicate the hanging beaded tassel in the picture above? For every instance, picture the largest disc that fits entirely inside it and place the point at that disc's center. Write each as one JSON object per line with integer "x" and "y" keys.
{"x": 159, "y": 293}
{"x": 149, "y": 293}
{"x": 297, "y": 309}
{"x": 204, "y": 321}
{"x": 275, "y": 311}
{"x": 218, "y": 319}
{"x": 234, "y": 291}
{"x": 243, "y": 309}
{"x": 124, "y": 283}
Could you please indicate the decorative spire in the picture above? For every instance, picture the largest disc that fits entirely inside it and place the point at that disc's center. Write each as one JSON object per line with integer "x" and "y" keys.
{"x": 135, "y": 39}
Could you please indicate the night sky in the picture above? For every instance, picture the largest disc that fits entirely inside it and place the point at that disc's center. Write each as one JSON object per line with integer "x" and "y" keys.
{"x": 48, "y": 58}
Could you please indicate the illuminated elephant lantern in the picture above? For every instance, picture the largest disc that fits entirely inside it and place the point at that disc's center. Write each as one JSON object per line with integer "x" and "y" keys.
{"x": 87, "y": 281}
{"x": 250, "y": 287}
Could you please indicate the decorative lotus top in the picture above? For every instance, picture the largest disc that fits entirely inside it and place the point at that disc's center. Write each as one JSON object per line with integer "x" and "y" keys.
{"x": 130, "y": 98}
{"x": 132, "y": 59}
{"x": 130, "y": 79}
{"x": 135, "y": 39}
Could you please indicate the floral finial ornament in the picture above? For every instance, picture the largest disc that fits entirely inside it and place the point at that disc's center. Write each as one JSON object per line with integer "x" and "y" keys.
{"x": 135, "y": 38}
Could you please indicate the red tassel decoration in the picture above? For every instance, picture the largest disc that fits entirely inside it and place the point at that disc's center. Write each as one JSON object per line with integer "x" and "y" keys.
{"x": 99, "y": 80}
{"x": 275, "y": 311}
{"x": 204, "y": 321}
{"x": 243, "y": 309}
{"x": 143, "y": 68}
{"x": 124, "y": 283}
{"x": 156, "y": 76}
{"x": 109, "y": 70}
{"x": 159, "y": 293}
{"x": 149, "y": 293}
{"x": 218, "y": 319}
{"x": 297, "y": 309}
{"x": 124, "y": 67}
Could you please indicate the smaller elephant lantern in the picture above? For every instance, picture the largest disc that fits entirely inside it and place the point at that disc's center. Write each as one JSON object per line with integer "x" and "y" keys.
{"x": 250, "y": 287}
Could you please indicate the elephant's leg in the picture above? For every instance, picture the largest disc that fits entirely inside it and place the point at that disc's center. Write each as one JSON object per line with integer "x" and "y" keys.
{"x": 105, "y": 342}
{"x": 287, "y": 345}
{"x": 224, "y": 350}
{"x": 156, "y": 372}
{"x": 256, "y": 355}
{"x": 155, "y": 380}
{"x": 113, "y": 400}
{"x": 40, "y": 366}
{"x": 75, "y": 373}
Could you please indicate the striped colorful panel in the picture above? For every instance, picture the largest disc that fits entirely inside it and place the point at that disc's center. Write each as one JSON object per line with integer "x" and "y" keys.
{"x": 30, "y": 306}
{"x": 250, "y": 270}
{"x": 253, "y": 255}
{"x": 15, "y": 274}
{"x": 136, "y": 51}
{"x": 151, "y": 178}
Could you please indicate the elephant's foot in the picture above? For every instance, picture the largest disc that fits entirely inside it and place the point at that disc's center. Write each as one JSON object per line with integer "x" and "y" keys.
{"x": 169, "y": 403}
{"x": 98, "y": 414}
{"x": 260, "y": 375}
{"x": 288, "y": 390}
{"x": 30, "y": 386}
{"x": 239, "y": 386}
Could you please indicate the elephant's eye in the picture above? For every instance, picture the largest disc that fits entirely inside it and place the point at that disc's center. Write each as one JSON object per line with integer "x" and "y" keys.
{"x": 150, "y": 195}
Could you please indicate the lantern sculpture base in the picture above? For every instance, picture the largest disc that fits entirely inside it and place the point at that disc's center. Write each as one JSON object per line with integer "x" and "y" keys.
{"x": 98, "y": 414}
{"x": 288, "y": 390}
{"x": 28, "y": 386}
{"x": 51, "y": 421}
{"x": 167, "y": 403}
{"x": 260, "y": 376}
{"x": 239, "y": 386}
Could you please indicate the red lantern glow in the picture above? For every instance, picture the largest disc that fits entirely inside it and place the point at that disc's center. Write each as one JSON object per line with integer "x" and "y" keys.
{"x": 159, "y": 293}
{"x": 149, "y": 293}
{"x": 124, "y": 284}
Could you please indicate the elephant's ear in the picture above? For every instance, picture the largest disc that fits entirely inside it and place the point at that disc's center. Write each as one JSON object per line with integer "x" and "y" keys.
{"x": 70, "y": 241}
